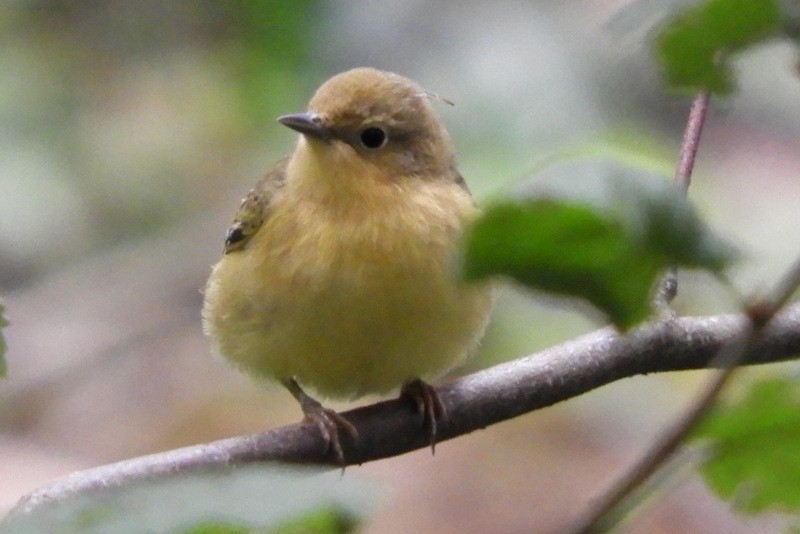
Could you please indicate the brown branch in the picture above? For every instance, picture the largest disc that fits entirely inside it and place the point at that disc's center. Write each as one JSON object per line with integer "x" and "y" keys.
{"x": 473, "y": 402}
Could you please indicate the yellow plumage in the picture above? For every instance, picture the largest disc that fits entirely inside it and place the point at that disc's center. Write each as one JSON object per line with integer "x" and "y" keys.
{"x": 340, "y": 268}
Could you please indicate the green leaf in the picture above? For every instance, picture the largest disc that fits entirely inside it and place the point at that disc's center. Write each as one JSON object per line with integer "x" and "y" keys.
{"x": 273, "y": 54}
{"x": 665, "y": 224}
{"x": 695, "y": 46}
{"x": 755, "y": 448}
{"x": 248, "y": 499}
{"x": 604, "y": 235}
{"x": 3, "y": 324}
{"x": 325, "y": 520}
{"x": 563, "y": 248}
{"x": 219, "y": 528}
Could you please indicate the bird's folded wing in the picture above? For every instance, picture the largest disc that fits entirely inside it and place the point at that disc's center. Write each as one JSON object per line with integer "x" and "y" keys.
{"x": 255, "y": 208}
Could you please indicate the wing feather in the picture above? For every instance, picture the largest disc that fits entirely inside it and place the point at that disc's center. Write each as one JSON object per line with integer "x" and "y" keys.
{"x": 255, "y": 208}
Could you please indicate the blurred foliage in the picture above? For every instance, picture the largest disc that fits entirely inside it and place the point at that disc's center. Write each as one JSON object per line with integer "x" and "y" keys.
{"x": 754, "y": 443}
{"x": 277, "y": 41}
{"x": 325, "y": 520}
{"x": 251, "y": 498}
{"x": 221, "y": 528}
{"x": 695, "y": 47}
{"x": 604, "y": 236}
{"x": 564, "y": 248}
{"x": 120, "y": 117}
{"x": 754, "y": 447}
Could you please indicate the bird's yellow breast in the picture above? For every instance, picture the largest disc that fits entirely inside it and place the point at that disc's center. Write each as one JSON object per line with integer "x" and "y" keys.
{"x": 350, "y": 284}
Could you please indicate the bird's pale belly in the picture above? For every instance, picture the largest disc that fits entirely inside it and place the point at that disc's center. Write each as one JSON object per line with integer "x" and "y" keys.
{"x": 366, "y": 327}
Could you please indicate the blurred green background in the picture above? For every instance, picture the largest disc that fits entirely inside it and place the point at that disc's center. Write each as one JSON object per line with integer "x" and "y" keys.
{"x": 131, "y": 130}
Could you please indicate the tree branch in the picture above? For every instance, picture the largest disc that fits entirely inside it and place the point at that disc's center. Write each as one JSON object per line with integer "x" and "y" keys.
{"x": 473, "y": 402}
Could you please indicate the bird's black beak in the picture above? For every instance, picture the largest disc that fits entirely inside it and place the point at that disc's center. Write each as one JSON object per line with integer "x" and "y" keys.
{"x": 307, "y": 124}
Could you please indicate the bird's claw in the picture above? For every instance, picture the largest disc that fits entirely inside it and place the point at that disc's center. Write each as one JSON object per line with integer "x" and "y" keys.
{"x": 328, "y": 421}
{"x": 428, "y": 404}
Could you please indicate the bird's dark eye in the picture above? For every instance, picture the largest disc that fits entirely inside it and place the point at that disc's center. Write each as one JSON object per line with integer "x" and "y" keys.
{"x": 373, "y": 137}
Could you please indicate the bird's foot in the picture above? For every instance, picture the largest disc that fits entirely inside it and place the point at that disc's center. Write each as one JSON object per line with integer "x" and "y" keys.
{"x": 328, "y": 421}
{"x": 429, "y": 406}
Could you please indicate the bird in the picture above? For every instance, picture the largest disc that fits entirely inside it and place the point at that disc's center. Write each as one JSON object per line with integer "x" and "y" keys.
{"x": 340, "y": 269}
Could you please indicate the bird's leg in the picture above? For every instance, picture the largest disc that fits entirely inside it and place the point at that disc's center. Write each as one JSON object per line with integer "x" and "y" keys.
{"x": 328, "y": 421}
{"x": 428, "y": 404}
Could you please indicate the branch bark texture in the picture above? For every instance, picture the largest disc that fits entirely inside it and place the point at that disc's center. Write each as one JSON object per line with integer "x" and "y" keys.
{"x": 473, "y": 402}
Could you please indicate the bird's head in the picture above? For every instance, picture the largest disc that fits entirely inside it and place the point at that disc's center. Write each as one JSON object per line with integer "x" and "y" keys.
{"x": 376, "y": 118}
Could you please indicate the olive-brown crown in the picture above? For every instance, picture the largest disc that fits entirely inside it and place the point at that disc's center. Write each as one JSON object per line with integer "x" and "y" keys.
{"x": 386, "y": 116}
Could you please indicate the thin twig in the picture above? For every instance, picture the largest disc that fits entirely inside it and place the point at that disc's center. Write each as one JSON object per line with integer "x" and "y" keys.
{"x": 691, "y": 141}
{"x": 668, "y": 288}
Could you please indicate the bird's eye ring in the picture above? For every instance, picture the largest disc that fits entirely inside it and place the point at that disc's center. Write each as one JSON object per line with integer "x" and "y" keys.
{"x": 373, "y": 137}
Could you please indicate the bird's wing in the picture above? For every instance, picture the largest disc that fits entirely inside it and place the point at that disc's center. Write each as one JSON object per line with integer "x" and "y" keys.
{"x": 458, "y": 179}
{"x": 255, "y": 208}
